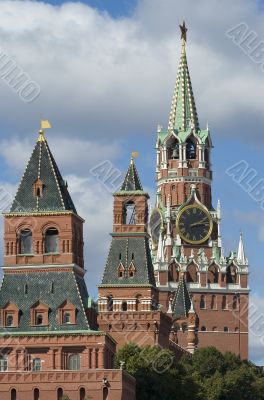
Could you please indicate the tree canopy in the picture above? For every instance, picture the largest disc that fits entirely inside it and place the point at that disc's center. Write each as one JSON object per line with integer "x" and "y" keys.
{"x": 207, "y": 375}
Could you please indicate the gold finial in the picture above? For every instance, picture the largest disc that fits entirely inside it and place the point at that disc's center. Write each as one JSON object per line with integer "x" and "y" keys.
{"x": 183, "y": 32}
{"x": 44, "y": 124}
{"x": 134, "y": 155}
{"x": 41, "y": 137}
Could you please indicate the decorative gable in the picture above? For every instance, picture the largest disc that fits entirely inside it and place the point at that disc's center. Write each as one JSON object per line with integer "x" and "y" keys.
{"x": 39, "y": 314}
{"x": 9, "y": 315}
{"x": 67, "y": 313}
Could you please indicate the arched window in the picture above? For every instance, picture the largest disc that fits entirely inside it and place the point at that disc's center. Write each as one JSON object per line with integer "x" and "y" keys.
{"x": 105, "y": 393}
{"x": 190, "y": 150}
{"x": 124, "y": 306}
{"x": 234, "y": 303}
{"x": 3, "y": 363}
{"x": 203, "y": 328}
{"x": 110, "y": 303}
{"x": 82, "y": 394}
{"x": 213, "y": 302}
{"x": 131, "y": 270}
{"x": 192, "y": 273}
{"x": 39, "y": 319}
{"x": 121, "y": 271}
{"x": 173, "y": 273}
{"x": 129, "y": 217}
{"x": 52, "y": 241}
{"x": 9, "y": 320}
{"x": 214, "y": 328}
{"x": 225, "y": 329}
{"x": 231, "y": 274}
{"x": 60, "y": 394}
{"x": 175, "y": 151}
{"x": 213, "y": 274}
{"x": 36, "y": 394}
{"x": 13, "y": 394}
{"x": 202, "y": 302}
{"x": 25, "y": 241}
{"x": 66, "y": 318}
{"x": 224, "y": 303}
{"x": 74, "y": 362}
{"x": 36, "y": 364}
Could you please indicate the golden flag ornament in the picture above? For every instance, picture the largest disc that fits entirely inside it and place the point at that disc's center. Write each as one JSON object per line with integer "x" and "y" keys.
{"x": 134, "y": 154}
{"x": 45, "y": 124}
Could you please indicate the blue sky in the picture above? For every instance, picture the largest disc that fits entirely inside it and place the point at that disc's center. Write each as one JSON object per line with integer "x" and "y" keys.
{"x": 106, "y": 70}
{"x": 116, "y": 8}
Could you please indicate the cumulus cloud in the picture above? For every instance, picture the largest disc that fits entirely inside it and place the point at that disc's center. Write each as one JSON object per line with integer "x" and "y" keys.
{"x": 74, "y": 155}
{"x": 102, "y": 77}
{"x": 104, "y": 81}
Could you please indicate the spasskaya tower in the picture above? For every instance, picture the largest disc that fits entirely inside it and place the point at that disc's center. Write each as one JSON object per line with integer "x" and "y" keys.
{"x": 185, "y": 229}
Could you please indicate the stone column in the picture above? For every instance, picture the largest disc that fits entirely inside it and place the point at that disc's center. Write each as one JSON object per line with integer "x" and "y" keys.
{"x": 94, "y": 358}
{"x": 101, "y": 358}
{"x": 184, "y": 164}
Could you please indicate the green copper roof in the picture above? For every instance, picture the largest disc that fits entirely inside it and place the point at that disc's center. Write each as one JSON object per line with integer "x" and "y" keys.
{"x": 131, "y": 182}
{"x": 183, "y": 118}
{"x": 183, "y": 113}
{"x": 132, "y": 252}
{"x": 55, "y": 195}
{"x": 181, "y": 302}
{"x": 49, "y": 287}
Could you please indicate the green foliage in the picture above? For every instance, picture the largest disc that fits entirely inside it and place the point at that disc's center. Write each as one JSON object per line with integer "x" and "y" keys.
{"x": 207, "y": 375}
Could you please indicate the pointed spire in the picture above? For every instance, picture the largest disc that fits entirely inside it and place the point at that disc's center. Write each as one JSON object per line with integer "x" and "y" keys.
{"x": 42, "y": 188}
{"x": 182, "y": 301}
{"x": 131, "y": 182}
{"x": 218, "y": 209}
{"x": 241, "y": 256}
{"x": 160, "y": 252}
{"x": 183, "y": 113}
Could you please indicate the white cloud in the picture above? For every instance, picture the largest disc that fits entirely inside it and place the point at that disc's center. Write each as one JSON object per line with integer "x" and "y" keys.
{"x": 102, "y": 77}
{"x": 72, "y": 154}
{"x": 104, "y": 80}
{"x": 94, "y": 204}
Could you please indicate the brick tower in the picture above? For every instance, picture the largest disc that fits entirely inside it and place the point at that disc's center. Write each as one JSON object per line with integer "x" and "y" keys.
{"x": 48, "y": 343}
{"x": 185, "y": 228}
{"x": 128, "y": 297}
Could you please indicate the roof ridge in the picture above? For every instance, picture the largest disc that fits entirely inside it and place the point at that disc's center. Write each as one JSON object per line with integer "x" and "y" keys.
{"x": 183, "y": 112}
{"x": 132, "y": 181}
{"x": 21, "y": 180}
{"x": 52, "y": 160}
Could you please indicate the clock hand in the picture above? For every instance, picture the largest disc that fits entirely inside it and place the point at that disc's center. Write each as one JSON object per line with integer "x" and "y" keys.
{"x": 199, "y": 222}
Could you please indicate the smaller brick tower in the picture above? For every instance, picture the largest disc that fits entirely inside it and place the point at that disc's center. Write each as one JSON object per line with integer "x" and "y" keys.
{"x": 49, "y": 344}
{"x": 128, "y": 298}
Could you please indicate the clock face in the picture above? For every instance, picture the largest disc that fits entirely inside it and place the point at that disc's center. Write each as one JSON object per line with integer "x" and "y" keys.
{"x": 194, "y": 224}
{"x": 155, "y": 225}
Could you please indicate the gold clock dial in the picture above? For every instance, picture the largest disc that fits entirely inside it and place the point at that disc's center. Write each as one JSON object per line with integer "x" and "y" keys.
{"x": 194, "y": 224}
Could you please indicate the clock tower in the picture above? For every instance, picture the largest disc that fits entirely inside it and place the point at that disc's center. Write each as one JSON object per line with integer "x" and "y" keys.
{"x": 185, "y": 229}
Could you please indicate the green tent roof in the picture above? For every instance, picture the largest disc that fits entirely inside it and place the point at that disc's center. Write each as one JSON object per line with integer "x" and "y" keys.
{"x": 55, "y": 196}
